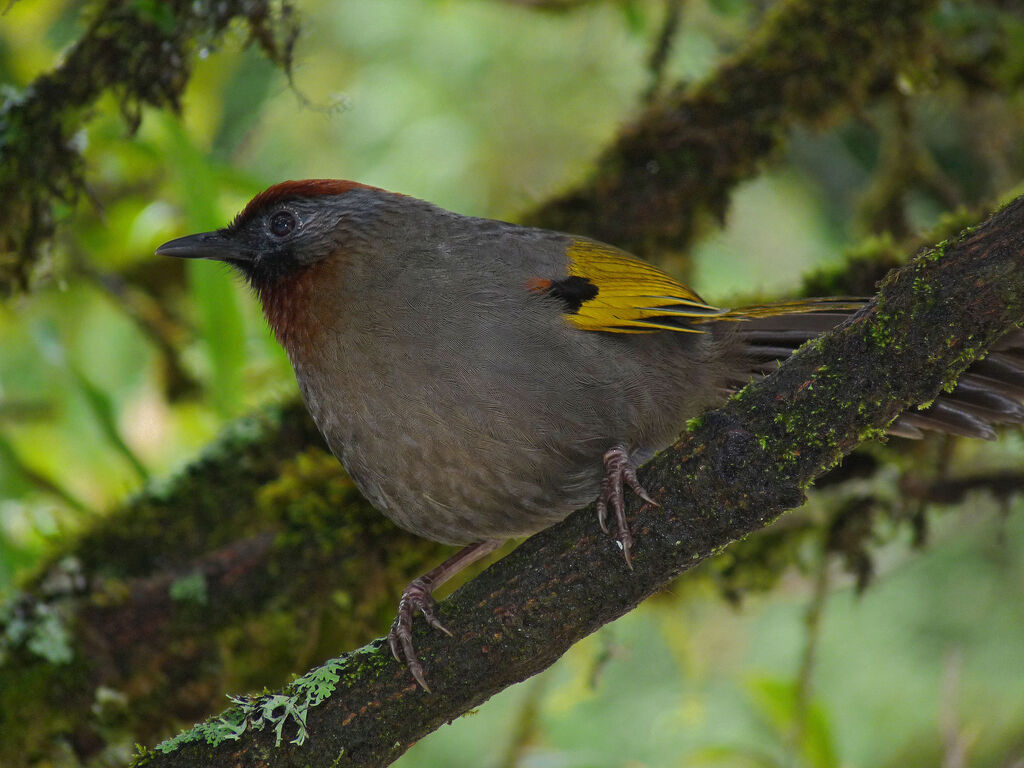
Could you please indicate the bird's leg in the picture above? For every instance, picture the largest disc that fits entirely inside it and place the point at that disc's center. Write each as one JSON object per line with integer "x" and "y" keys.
{"x": 418, "y": 596}
{"x": 618, "y": 473}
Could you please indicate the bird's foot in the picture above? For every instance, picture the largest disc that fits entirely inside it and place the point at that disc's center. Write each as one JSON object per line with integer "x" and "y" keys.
{"x": 618, "y": 473}
{"x": 419, "y": 597}
{"x": 416, "y": 597}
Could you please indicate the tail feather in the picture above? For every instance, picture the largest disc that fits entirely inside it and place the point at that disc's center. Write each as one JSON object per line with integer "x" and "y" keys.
{"x": 903, "y": 428}
{"x": 990, "y": 393}
{"x": 951, "y": 418}
{"x": 988, "y": 399}
{"x": 1005, "y": 388}
{"x": 840, "y": 305}
{"x": 1001, "y": 367}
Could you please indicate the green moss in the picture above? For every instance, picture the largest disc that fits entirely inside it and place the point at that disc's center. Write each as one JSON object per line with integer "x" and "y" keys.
{"x": 952, "y": 226}
{"x": 190, "y": 588}
{"x": 38, "y": 700}
{"x": 754, "y": 564}
{"x": 139, "y": 53}
{"x": 923, "y": 288}
{"x": 310, "y": 490}
{"x": 50, "y": 639}
{"x": 205, "y": 506}
{"x": 862, "y": 267}
{"x": 873, "y": 433}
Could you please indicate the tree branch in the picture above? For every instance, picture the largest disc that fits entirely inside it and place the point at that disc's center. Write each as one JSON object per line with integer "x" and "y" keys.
{"x": 737, "y": 471}
{"x": 139, "y": 51}
{"x": 254, "y": 538}
{"x": 673, "y": 169}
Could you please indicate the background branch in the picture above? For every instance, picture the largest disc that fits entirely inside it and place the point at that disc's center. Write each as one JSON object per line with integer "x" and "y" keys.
{"x": 670, "y": 173}
{"x": 151, "y": 598}
{"x": 142, "y": 53}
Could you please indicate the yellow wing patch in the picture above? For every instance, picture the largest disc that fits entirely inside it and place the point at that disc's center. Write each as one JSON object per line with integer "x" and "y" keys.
{"x": 632, "y": 295}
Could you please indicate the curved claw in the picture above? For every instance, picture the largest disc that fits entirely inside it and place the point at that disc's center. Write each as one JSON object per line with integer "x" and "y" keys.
{"x": 416, "y": 597}
{"x": 618, "y": 473}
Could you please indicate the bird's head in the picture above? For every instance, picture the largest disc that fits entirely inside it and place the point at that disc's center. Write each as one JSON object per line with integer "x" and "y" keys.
{"x": 292, "y": 243}
{"x": 287, "y": 228}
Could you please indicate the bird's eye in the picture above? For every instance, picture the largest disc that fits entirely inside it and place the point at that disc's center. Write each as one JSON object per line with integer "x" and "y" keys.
{"x": 283, "y": 223}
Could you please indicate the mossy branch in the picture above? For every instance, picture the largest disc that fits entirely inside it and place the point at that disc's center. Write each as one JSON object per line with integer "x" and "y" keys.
{"x": 259, "y": 558}
{"x": 139, "y": 51}
{"x": 740, "y": 468}
{"x": 116, "y": 597}
{"x": 672, "y": 170}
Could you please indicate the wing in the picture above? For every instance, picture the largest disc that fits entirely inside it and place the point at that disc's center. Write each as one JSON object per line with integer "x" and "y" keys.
{"x": 609, "y": 290}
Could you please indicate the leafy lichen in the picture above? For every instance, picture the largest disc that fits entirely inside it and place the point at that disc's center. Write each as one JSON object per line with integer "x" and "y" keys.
{"x": 273, "y": 710}
{"x": 229, "y": 726}
{"x": 39, "y": 629}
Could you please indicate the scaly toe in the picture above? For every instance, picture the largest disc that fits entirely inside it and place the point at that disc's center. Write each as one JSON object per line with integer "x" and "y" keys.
{"x": 618, "y": 473}
{"x": 416, "y": 598}
{"x": 429, "y": 613}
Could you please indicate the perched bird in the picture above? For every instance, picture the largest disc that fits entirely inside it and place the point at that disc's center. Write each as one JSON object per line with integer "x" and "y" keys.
{"x": 481, "y": 380}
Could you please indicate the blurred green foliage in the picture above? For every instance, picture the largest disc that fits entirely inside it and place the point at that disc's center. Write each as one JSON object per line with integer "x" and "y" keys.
{"x": 125, "y": 365}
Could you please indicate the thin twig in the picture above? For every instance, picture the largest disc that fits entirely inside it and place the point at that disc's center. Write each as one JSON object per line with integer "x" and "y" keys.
{"x": 658, "y": 57}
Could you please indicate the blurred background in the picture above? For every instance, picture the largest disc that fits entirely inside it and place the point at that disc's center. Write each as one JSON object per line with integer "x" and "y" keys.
{"x": 120, "y": 367}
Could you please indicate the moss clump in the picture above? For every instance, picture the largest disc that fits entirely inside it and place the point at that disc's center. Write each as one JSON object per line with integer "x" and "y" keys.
{"x": 190, "y": 588}
{"x": 859, "y": 272}
{"x": 35, "y": 627}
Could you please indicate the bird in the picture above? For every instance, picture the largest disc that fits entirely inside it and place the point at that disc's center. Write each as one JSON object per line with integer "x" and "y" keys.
{"x": 479, "y": 380}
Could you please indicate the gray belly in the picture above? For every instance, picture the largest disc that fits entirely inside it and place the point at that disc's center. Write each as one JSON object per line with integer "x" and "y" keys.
{"x": 478, "y": 450}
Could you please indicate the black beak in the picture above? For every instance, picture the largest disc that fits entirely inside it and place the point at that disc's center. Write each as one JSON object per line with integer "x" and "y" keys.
{"x": 207, "y": 245}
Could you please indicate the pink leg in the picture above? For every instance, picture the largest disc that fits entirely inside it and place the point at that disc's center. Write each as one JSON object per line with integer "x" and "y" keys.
{"x": 418, "y": 596}
{"x": 618, "y": 473}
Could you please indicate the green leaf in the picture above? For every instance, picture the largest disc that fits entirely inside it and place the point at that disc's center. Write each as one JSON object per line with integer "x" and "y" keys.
{"x": 103, "y": 410}
{"x": 212, "y": 287}
{"x": 159, "y": 14}
{"x": 777, "y": 701}
{"x": 635, "y": 17}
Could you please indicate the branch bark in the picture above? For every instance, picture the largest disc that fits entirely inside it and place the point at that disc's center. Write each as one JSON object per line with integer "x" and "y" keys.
{"x": 741, "y": 467}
